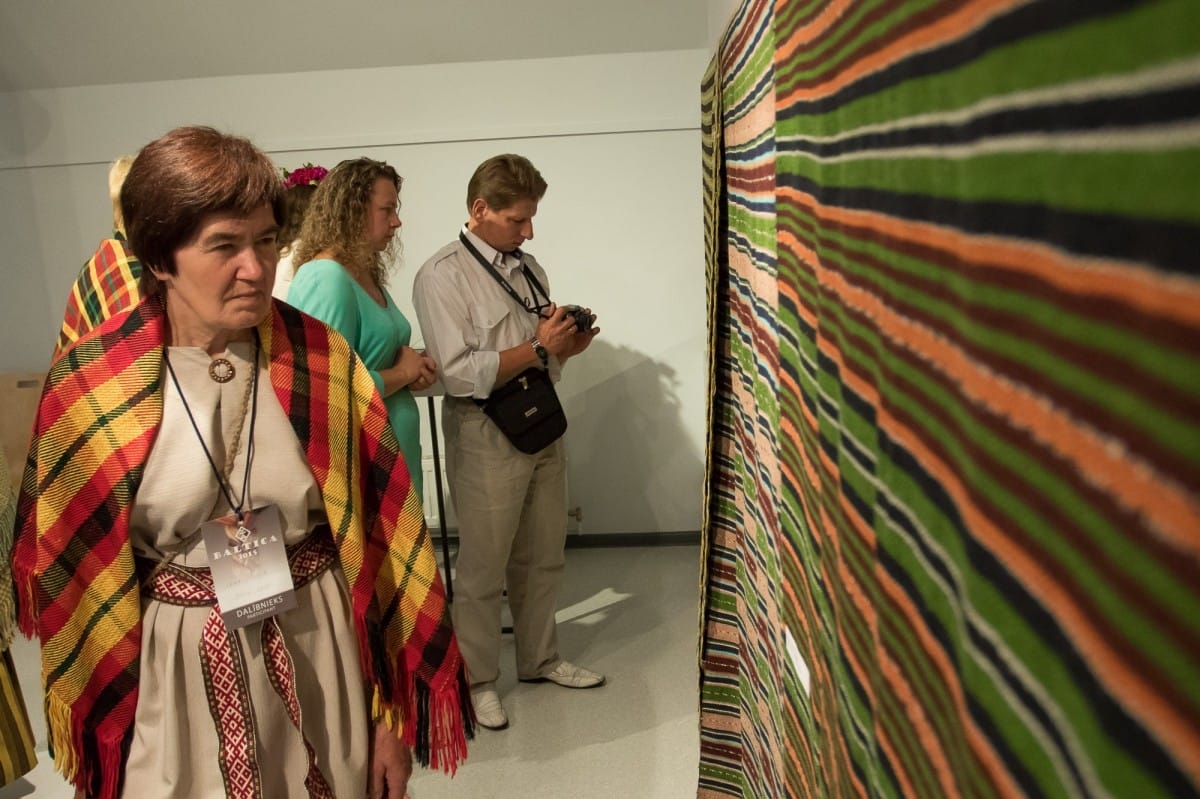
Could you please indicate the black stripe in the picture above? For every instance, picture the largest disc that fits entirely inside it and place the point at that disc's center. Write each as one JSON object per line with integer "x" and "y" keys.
{"x": 1108, "y": 715}
{"x": 1036, "y": 19}
{"x": 1145, "y": 110}
{"x": 1167, "y": 245}
{"x": 934, "y": 561}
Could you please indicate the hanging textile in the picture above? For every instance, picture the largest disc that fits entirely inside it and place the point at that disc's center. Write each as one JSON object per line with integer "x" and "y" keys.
{"x": 953, "y": 510}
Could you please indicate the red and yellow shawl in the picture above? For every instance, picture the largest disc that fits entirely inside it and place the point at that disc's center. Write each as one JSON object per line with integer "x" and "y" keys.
{"x": 107, "y": 285}
{"x": 74, "y": 568}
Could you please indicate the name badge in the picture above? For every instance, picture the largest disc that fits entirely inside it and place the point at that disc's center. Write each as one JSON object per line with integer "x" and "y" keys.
{"x": 249, "y": 565}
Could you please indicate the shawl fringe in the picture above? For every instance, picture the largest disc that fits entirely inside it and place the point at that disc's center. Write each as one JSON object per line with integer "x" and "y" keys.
{"x": 437, "y": 726}
{"x": 99, "y": 775}
{"x": 25, "y": 582}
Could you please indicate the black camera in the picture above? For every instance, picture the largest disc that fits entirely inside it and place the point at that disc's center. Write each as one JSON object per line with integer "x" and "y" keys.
{"x": 583, "y": 319}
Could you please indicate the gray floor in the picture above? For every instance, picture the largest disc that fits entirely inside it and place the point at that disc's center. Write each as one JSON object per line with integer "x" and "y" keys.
{"x": 629, "y": 612}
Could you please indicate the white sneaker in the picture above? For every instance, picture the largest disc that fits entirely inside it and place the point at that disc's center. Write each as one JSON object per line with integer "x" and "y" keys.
{"x": 568, "y": 675}
{"x": 488, "y": 710}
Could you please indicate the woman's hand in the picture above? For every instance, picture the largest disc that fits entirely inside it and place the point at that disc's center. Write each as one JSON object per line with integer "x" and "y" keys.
{"x": 391, "y": 765}
{"x": 428, "y": 375}
{"x": 418, "y": 369}
{"x": 427, "y": 372}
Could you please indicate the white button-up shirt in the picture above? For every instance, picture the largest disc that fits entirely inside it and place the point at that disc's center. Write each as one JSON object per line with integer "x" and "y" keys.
{"x": 467, "y": 319}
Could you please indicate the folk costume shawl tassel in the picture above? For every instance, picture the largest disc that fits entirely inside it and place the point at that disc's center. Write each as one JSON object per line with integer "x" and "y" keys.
{"x": 74, "y": 568}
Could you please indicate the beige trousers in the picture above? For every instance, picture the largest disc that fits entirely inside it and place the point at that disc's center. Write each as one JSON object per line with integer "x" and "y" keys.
{"x": 512, "y": 528}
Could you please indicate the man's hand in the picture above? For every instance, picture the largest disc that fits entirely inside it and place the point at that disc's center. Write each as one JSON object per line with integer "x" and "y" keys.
{"x": 558, "y": 334}
{"x": 391, "y": 765}
{"x": 581, "y": 342}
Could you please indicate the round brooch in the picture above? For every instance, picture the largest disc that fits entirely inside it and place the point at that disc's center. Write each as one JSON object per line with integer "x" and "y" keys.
{"x": 221, "y": 370}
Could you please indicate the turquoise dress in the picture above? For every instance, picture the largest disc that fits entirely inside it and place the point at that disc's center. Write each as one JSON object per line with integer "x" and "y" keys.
{"x": 323, "y": 289}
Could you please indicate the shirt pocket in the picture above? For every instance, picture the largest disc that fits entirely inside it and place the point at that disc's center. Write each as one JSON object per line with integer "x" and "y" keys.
{"x": 490, "y": 319}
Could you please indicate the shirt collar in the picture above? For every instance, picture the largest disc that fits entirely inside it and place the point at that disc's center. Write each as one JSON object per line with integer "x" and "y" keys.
{"x": 505, "y": 263}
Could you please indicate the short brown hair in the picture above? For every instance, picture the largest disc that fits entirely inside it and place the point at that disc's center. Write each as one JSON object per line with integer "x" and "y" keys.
{"x": 181, "y": 177}
{"x": 502, "y": 181}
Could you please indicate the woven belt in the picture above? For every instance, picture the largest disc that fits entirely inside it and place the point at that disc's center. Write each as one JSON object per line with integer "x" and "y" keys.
{"x": 224, "y": 663}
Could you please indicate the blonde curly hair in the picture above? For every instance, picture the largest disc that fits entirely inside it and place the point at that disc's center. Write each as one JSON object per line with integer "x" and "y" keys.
{"x": 336, "y": 221}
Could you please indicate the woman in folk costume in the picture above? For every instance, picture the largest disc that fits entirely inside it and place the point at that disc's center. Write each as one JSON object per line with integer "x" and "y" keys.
{"x": 108, "y": 283}
{"x": 16, "y": 737}
{"x": 315, "y": 657}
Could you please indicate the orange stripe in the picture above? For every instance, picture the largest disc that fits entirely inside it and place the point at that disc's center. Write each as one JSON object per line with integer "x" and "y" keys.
{"x": 1109, "y": 662}
{"x": 950, "y": 28}
{"x": 1175, "y": 728}
{"x": 1133, "y": 284}
{"x": 830, "y": 13}
{"x": 1171, "y": 725}
{"x": 757, "y": 120}
{"x": 863, "y": 605}
{"x": 979, "y": 742}
{"x": 898, "y": 759}
{"x": 1169, "y": 509}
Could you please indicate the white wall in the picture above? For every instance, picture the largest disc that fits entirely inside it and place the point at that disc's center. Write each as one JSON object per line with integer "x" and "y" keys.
{"x": 620, "y": 229}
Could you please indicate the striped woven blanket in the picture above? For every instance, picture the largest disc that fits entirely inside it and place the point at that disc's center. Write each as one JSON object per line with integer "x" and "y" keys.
{"x": 954, "y": 514}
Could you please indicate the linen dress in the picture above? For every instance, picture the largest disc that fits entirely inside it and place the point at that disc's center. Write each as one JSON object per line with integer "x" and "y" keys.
{"x": 174, "y": 752}
{"x": 324, "y": 289}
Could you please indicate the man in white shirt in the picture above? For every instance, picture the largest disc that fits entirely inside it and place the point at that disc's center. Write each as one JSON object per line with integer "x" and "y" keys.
{"x": 511, "y": 506}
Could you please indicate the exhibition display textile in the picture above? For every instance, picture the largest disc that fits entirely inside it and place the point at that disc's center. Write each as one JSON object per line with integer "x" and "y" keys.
{"x": 952, "y": 528}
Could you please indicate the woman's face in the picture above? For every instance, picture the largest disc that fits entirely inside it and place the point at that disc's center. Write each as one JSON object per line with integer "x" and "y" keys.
{"x": 383, "y": 214}
{"x": 223, "y": 277}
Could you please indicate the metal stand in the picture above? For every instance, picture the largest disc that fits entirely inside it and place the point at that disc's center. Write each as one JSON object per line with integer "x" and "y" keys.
{"x": 441, "y": 503}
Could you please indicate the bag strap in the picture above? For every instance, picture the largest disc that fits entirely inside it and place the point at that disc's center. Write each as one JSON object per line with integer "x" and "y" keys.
{"x": 534, "y": 286}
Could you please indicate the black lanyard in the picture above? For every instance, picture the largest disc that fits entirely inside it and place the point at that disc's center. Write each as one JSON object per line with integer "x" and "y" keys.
{"x": 226, "y": 489}
{"x": 534, "y": 307}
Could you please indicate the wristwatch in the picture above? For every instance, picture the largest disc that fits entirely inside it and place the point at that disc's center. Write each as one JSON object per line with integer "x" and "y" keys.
{"x": 540, "y": 351}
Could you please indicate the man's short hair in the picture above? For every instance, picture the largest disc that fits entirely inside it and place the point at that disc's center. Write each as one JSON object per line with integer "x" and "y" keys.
{"x": 502, "y": 181}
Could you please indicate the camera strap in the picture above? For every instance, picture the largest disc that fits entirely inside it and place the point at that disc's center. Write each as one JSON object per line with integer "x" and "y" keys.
{"x": 535, "y": 287}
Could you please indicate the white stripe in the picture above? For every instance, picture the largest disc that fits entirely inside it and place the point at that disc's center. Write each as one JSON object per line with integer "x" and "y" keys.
{"x": 1176, "y": 75}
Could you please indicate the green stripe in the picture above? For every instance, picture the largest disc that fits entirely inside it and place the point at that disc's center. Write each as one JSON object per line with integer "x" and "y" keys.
{"x": 1146, "y": 35}
{"x": 1112, "y": 543}
{"x": 1175, "y": 433}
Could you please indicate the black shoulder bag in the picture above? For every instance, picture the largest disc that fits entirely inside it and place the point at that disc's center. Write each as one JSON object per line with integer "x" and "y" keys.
{"x": 526, "y": 408}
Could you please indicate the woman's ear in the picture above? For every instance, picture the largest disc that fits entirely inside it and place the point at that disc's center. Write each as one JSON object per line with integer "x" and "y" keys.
{"x": 155, "y": 279}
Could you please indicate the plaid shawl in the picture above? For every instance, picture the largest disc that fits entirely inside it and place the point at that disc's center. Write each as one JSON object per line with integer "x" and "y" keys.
{"x": 8, "y": 511}
{"x": 107, "y": 285}
{"x": 74, "y": 568}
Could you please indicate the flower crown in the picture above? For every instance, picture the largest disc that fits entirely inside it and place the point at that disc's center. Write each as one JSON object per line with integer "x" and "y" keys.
{"x": 307, "y": 175}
